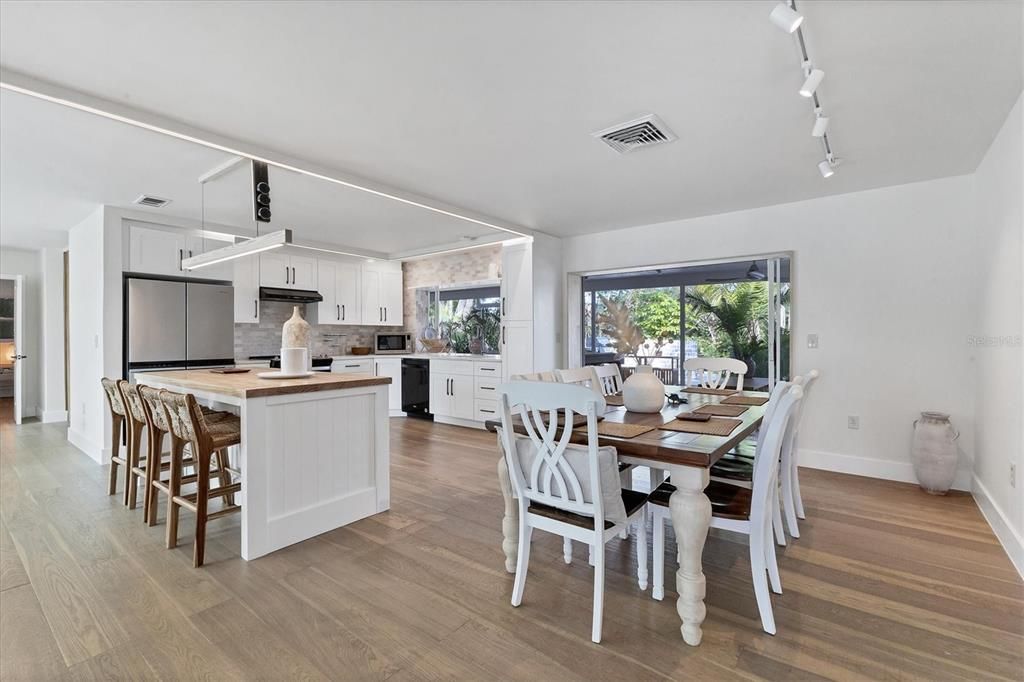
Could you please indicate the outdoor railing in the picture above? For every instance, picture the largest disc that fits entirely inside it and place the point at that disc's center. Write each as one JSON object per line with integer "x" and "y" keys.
{"x": 666, "y": 368}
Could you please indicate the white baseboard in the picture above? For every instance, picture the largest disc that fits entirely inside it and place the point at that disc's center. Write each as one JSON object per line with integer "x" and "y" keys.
{"x": 54, "y": 416}
{"x": 873, "y": 468}
{"x": 1007, "y": 535}
{"x": 455, "y": 421}
{"x": 95, "y": 451}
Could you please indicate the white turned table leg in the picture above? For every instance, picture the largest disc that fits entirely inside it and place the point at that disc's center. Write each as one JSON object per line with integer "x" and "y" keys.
{"x": 510, "y": 521}
{"x": 691, "y": 518}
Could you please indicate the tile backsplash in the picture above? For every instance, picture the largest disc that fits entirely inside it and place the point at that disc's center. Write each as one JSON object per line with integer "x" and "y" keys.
{"x": 265, "y": 338}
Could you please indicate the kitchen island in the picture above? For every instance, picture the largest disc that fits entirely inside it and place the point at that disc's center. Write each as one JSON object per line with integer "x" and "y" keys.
{"x": 314, "y": 454}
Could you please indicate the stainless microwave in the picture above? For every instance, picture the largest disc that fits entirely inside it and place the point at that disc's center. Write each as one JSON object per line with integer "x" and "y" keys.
{"x": 393, "y": 342}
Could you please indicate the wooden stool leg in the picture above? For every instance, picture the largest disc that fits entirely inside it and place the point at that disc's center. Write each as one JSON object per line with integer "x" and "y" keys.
{"x": 115, "y": 453}
{"x": 153, "y": 460}
{"x": 202, "y": 498}
{"x": 131, "y": 479}
{"x": 223, "y": 475}
{"x": 174, "y": 488}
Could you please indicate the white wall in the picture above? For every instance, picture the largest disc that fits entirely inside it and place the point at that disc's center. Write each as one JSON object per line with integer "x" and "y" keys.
{"x": 87, "y": 411}
{"x": 51, "y": 400}
{"x": 883, "y": 277}
{"x": 26, "y": 263}
{"x": 997, "y": 353}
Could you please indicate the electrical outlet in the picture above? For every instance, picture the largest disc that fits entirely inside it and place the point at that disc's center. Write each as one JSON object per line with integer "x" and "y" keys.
{"x": 1013, "y": 475}
{"x": 853, "y": 422}
{"x": 812, "y": 340}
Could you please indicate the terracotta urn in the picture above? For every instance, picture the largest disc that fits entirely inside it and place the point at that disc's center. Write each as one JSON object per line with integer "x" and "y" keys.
{"x": 643, "y": 391}
{"x": 934, "y": 452}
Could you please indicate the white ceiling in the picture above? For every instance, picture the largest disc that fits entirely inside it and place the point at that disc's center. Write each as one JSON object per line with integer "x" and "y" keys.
{"x": 490, "y": 105}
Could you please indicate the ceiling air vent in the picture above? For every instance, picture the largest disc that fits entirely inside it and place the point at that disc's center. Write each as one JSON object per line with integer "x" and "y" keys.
{"x": 151, "y": 201}
{"x": 637, "y": 134}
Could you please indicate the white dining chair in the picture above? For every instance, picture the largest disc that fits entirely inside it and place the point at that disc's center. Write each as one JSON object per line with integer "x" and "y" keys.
{"x": 580, "y": 376}
{"x": 713, "y": 372}
{"x": 562, "y": 488}
{"x": 609, "y": 378}
{"x": 742, "y": 510}
{"x": 792, "y": 503}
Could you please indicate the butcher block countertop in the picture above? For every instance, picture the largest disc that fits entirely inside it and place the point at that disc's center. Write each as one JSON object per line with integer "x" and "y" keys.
{"x": 248, "y": 385}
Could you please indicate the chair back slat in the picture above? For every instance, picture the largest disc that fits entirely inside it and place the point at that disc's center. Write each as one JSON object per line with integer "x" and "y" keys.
{"x": 609, "y": 378}
{"x": 543, "y": 465}
{"x": 775, "y": 433}
{"x": 114, "y": 400}
{"x": 154, "y": 408}
{"x": 580, "y": 376}
{"x": 713, "y": 372}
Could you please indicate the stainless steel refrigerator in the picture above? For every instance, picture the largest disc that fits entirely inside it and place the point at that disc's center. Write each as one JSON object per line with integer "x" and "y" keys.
{"x": 177, "y": 325}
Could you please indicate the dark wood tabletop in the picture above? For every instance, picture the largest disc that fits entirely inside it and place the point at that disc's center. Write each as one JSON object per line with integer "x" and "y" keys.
{"x": 669, "y": 447}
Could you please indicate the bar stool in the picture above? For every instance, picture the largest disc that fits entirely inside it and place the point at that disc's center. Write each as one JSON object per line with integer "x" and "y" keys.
{"x": 117, "y": 417}
{"x": 206, "y": 438}
{"x": 136, "y": 420}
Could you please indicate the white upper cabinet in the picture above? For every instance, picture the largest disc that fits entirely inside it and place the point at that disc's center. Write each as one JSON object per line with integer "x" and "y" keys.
{"x": 286, "y": 271}
{"x": 517, "y": 282}
{"x": 247, "y": 289}
{"x": 155, "y": 251}
{"x": 339, "y": 284}
{"x": 382, "y": 295}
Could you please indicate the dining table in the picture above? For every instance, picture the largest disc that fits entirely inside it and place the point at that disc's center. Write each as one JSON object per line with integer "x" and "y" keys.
{"x": 686, "y": 457}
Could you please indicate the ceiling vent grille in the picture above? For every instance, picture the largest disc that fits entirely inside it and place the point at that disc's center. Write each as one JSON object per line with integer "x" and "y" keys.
{"x": 151, "y": 201}
{"x": 637, "y": 134}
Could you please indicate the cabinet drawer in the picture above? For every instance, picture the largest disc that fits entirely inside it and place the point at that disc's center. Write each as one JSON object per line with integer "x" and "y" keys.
{"x": 486, "y": 409}
{"x": 352, "y": 366}
{"x": 451, "y": 367}
{"x": 488, "y": 369}
{"x": 487, "y": 388}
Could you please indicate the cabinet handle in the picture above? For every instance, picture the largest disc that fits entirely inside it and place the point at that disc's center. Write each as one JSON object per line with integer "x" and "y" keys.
{"x": 190, "y": 253}
{"x": 503, "y": 336}
{"x": 451, "y": 387}
{"x": 487, "y": 411}
{"x": 502, "y": 305}
{"x": 343, "y": 311}
{"x": 339, "y": 311}
{"x": 385, "y": 314}
{"x": 181, "y": 256}
{"x": 286, "y": 275}
{"x": 255, "y": 307}
{"x": 351, "y": 365}
{"x": 293, "y": 275}
{"x": 486, "y": 369}
{"x": 487, "y": 388}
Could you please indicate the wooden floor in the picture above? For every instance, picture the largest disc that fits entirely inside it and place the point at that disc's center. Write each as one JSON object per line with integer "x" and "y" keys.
{"x": 886, "y": 583}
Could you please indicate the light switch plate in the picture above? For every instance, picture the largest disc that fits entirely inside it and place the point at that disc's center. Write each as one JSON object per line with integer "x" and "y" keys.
{"x": 812, "y": 340}
{"x": 853, "y": 422}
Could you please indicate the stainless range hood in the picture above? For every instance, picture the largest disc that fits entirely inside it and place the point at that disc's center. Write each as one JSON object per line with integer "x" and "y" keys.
{"x": 289, "y": 295}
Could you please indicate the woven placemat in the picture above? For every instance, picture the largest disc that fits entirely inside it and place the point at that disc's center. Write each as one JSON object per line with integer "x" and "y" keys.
{"x": 716, "y": 426}
{"x": 620, "y": 430}
{"x": 745, "y": 400}
{"x": 722, "y": 410}
{"x": 710, "y": 391}
{"x": 614, "y": 400}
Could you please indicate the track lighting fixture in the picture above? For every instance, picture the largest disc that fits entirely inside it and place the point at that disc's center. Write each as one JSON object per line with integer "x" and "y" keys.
{"x": 786, "y": 18}
{"x": 820, "y": 124}
{"x": 827, "y": 168}
{"x": 814, "y": 78}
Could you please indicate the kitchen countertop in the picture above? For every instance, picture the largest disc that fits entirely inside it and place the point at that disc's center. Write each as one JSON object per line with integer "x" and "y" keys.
{"x": 427, "y": 356}
{"x": 248, "y": 385}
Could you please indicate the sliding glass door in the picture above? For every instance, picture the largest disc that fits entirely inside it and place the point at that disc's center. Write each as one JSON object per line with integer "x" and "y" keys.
{"x": 663, "y": 317}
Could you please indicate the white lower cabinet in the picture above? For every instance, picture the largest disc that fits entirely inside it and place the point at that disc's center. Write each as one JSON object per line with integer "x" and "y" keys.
{"x": 516, "y": 348}
{"x": 352, "y": 366}
{"x": 464, "y": 389}
{"x": 391, "y": 367}
{"x": 451, "y": 395}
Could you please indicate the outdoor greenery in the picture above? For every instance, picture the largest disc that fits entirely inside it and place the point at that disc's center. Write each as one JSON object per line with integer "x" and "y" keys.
{"x": 461, "y": 324}
{"x": 725, "y": 320}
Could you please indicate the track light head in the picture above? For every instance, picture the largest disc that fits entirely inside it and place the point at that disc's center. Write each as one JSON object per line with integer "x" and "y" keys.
{"x": 826, "y": 169}
{"x": 786, "y": 18}
{"x": 814, "y": 79}
{"x": 820, "y": 126}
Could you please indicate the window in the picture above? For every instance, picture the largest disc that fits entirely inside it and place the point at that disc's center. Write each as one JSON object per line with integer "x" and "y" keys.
{"x": 470, "y": 319}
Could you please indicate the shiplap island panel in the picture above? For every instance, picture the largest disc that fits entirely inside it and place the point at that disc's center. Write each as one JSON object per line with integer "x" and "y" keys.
{"x": 314, "y": 454}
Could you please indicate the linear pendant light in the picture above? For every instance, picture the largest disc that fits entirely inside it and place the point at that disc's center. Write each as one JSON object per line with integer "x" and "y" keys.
{"x": 249, "y": 247}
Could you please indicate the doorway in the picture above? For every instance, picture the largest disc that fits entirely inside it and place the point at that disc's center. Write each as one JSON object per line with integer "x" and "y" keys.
{"x": 11, "y": 341}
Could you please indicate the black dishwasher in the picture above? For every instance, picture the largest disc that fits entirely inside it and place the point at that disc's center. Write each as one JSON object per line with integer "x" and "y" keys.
{"x": 416, "y": 387}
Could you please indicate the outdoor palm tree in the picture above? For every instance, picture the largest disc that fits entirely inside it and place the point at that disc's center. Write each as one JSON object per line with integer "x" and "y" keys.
{"x": 733, "y": 318}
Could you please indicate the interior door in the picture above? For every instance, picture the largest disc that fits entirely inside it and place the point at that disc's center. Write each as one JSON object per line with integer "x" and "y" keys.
{"x": 19, "y": 345}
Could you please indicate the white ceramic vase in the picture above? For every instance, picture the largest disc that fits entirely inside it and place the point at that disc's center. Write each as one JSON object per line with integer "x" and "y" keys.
{"x": 295, "y": 334}
{"x": 934, "y": 452}
{"x": 643, "y": 391}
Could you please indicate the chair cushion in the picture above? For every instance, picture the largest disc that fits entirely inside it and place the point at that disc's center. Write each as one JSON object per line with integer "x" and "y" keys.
{"x": 631, "y": 502}
{"x": 727, "y": 501}
{"x": 576, "y": 456}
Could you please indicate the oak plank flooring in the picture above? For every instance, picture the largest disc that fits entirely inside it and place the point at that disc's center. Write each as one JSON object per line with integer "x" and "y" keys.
{"x": 885, "y": 583}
